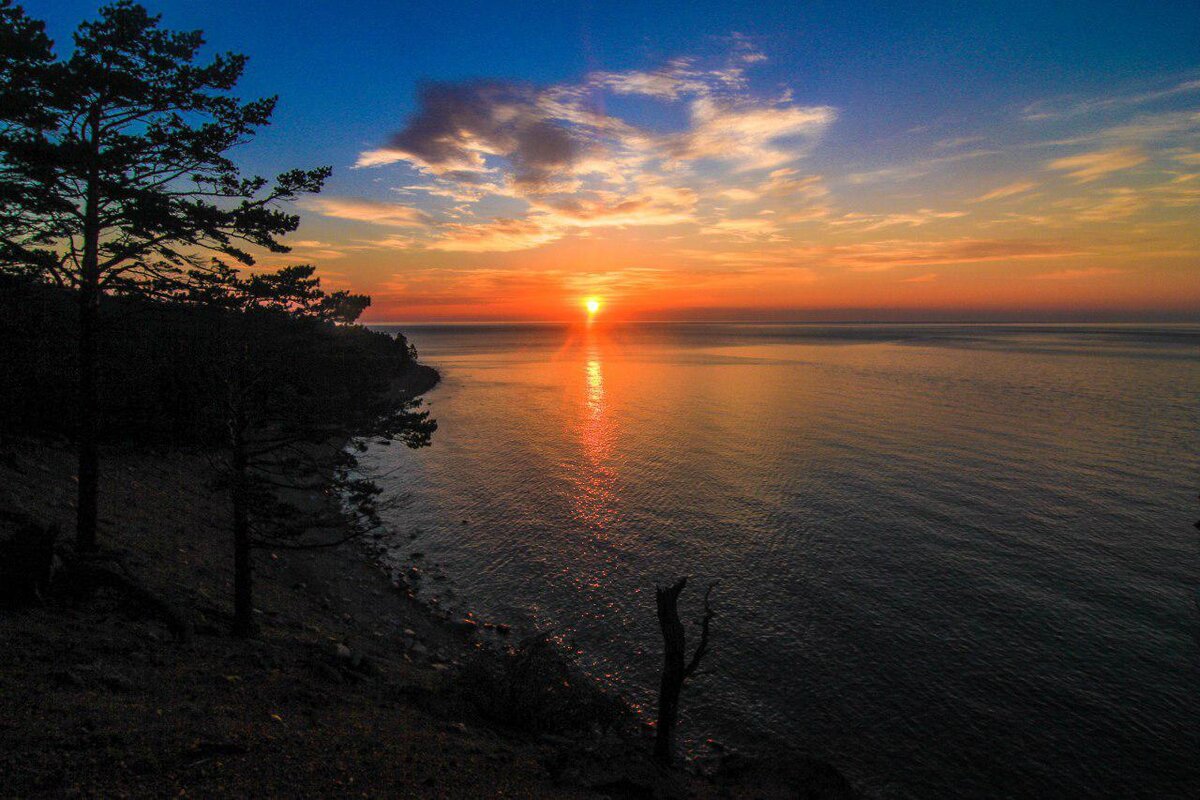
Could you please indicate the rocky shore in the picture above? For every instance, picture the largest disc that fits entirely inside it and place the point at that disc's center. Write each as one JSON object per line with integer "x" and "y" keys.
{"x": 352, "y": 688}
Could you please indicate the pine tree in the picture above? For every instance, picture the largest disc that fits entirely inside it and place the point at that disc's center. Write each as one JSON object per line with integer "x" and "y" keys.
{"x": 123, "y": 184}
{"x": 304, "y": 389}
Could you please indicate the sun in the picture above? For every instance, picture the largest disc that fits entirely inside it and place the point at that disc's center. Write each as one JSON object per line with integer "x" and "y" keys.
{"x": 592, "y": 304}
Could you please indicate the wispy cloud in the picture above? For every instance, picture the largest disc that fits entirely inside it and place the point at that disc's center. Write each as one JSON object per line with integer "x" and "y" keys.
{"x": 746, "y": 134}
{"x": 913, "y": 219}
{"x": 1086, "y": 167}
{"x": 1008, "y": 190}
{"x": 1077, "y": 274}
{"x": 495, "y": 236}
{"x": 364, "y": 210}
{"x": 1050, "y": 109}
{"x": 1110, "y": 205}
{"x": 892, "y": 253}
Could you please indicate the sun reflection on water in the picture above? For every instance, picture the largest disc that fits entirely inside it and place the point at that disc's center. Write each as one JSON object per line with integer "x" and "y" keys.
{"x": 595, "y": 498}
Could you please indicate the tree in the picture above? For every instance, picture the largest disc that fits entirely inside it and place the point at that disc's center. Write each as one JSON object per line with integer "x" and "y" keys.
{"x": 26, "y": 57}
{"x": 675, "y": 670}
{"x": 304, "y": 391}
{"x": 125, "y": 186}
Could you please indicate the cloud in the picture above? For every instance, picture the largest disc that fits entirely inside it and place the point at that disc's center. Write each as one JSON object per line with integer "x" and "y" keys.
{"x": 459, "y": 125}
{"x": 914, "y": 219}
{"x": 875, "y": 256}
{"x": 748, "y": 134}
{"x": 575, "y": 167}
{"x": 655, "y": 205}
{"x": 915, "y": 169}
{"x": 676, "y": 79}
{"x": 926, "y": 278}
{"x": 1111, "y": 205}
{"x": 391, "y": 243}
{"x": 1008, "y": 190}
{"x": 891, "y": 253}
{"x": 364, "y": 210}
{"x": 1045, "y": 109}
{"x": 533, "y": 138}
{"x": 496, "y": 236}
{"x": 1077, "y": 274}
{"x": 1087, "y": 167}
{"x": 956, "y": 141}
{"x": 746, "y": 229}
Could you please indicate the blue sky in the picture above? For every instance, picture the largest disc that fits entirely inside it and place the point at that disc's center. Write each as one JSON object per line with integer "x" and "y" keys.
{"x": 917, "y": 111}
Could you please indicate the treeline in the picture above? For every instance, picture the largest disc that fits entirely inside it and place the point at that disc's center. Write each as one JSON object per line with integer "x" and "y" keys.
{"x": 159, "y": 363}
{"x": 131, "y": 304}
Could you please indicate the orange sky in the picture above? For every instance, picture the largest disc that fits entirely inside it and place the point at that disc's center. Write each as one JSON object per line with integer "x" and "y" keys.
{"x": 515, "y": 202}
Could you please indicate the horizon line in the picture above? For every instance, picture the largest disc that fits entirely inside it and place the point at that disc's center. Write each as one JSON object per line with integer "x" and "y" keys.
{"x": 1004, "y": 321}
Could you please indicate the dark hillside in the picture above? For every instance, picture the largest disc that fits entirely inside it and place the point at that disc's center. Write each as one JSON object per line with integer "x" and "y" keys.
{"x": 156, "y": 362}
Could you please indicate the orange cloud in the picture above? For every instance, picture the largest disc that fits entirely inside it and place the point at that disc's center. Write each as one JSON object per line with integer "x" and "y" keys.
{"x": 1087, "y": 167}
{"x": 373, "y": 211}
{"x": 1077, "y": 274}
{"x": 1008, "y": 190}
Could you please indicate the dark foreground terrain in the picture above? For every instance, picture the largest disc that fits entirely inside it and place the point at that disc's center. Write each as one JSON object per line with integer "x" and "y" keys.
{"x": 351, "y": 688}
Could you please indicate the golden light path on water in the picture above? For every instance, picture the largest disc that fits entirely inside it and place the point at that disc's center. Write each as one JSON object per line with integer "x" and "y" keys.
{"x": 595, "y": 497}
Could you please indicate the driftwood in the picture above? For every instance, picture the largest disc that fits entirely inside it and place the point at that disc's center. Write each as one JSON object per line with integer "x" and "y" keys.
{"x": 675, "y": 669}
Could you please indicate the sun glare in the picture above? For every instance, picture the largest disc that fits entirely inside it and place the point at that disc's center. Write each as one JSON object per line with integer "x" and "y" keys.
{"x": 592, "y": 304}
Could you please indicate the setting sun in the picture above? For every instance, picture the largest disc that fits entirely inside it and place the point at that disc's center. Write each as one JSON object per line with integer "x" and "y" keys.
{"x": 592, "y": 305}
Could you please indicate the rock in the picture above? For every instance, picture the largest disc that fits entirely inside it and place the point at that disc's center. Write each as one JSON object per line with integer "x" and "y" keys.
{"x": 419, "y": 649}
{"x": 115, "y": 681}
{"x": 343, "y": 652}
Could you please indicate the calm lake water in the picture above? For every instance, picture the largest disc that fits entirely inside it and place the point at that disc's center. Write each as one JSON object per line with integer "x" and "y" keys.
{"x": 955, "y": 561}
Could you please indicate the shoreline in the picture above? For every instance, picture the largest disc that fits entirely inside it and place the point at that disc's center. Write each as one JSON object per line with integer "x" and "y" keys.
{"x": 458, "y": 618}
{"x": 350, "y": 686}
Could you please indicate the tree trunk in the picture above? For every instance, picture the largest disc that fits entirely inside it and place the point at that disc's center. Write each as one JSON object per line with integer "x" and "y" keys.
{"x": 89, "y": 452}
{"x": 243, "y": 601}
{"x": 89, "y": 390}
{"x": 675, "y": 671}
{"x": 672, "y": 672}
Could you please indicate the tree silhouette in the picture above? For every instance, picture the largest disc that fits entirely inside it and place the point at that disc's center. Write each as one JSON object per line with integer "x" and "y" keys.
{"x": 304, "y": 390}
{"x": 26, "y": 58}
{"x": 121, "y": 182}
{"x": 675, "y": 669}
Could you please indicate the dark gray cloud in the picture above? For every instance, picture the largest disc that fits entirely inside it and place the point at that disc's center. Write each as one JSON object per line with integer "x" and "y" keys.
{"x": 457, "y": 123}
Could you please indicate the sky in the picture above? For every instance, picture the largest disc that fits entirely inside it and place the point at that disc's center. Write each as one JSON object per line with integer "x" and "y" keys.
{"x": 727, "y": 160}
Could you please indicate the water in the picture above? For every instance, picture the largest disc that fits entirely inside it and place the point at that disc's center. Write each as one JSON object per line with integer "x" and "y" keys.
{"x": 955, "y": 561}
